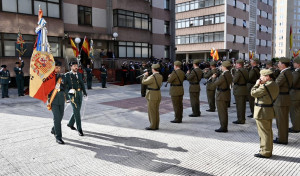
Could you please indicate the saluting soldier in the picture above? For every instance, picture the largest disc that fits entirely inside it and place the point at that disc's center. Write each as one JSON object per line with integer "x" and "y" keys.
{"x": 153, "y": 95}
{"x": 223, "y": 95}
{"x": 103, "y": 76}
{"x": 210, "y": 88}
{"x": 89, "y": 76}
{"x": 176, "y": 79}
{"x": 240, "y": 80}
{"x": 253, "y": 76}
{"x": 5, "y": 80}
{"x": 74, "y": 88}
{"x": 143, "y": 69}
{"x": 58, "y": 104}
{"x": 194, "y": 77}
{"x": 20, "y": 76}
{"x": 265, "y": 91}
{"x": 275, "y": 71}
{"x": 295, "y": 98}
{"x": 283, "y": 101}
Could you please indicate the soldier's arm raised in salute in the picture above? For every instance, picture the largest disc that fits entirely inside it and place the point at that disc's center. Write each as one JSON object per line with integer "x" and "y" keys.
{"x": 147, "y": 80}
{"x": 258, "y": 90}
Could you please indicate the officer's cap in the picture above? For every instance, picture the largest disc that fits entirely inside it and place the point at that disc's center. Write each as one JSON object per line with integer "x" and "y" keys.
{"x": 213, "y": 63}
{"x": 3, "y": 66}
{"x": 226, "y": 64}
{"x": 57, "y": 63}
{"x": 297, "y": 60}
{"x": 266, "y": 72}
{"x": 197, "y": 61}
{"x": 155, "y": 66}
{"x": 284, "y": 60}
{"x": 240, "y": 61}
{"x": 270, "y": 63}
{"x": 73, "y": 63}
{"x": 177, "y": 63}
{"x": 256, "y": 60}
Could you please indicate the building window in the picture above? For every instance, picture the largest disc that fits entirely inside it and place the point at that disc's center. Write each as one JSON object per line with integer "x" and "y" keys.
{"x": 244, "y": 23}
{"x": 234, "y": 21}
{"x": 133, "y": 50}
{"x": 234, "y": 3}
{"x": 51, "y": 8}
{"x": 84, "y": 15}
{"x": 244, "y": 6}
{"x": 167, "y": 27}
{"x": 234, "y": 38}
{"x": 167, "y": 52}
{"x": 200, "y": 38}
{"x": 200, "y": 21}
{"x": 244, "y": 40}
{"x": 167, "y": 4}
{"x": 195, "y": 4}
{"x": 218, "y": 2}
{"x": 123, "y": 18}
{"x": 259, "y": 42}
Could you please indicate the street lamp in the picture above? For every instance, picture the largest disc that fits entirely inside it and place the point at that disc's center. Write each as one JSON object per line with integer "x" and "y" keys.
{"x": 77, "y": 41}
{"x": 115, "y": 35}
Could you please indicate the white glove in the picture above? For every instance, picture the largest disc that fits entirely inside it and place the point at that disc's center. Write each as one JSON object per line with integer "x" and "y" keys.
{"x": 1, "y": 69}
{"x": 68, "y": 101}
{"x": 20, "y": 58}
{"x": 20, "y": 69}
{"x": 9, "y": 81}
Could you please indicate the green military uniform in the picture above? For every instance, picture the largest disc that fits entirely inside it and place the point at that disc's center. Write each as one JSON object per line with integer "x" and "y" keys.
{"x": 143, "y": 86}
{"x": 210, "y": 88}
{"x": 4, "y": 80}
{"x": 275, "y": 71}
{"x": 58, "y": 106}
{"x": 20, "y": 78}
{"x": 223, "y": 96}
{"x": 74, "y": 81}
{"x": 264, "y": 95}
{"x": 103, "y": 76}
{"x": 194, "y": 78}
{"x": 283, "y": 102}
{"x": 89, "y": 77}
{"x": 253, "y": 77}
{"x": 176, "y": 79}
{"x": 153, "y": 96}
{"x": 295, "y": 100}
{"x": 240, "y": 92}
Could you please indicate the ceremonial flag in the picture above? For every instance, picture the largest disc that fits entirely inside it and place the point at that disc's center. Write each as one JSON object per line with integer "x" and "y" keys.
{"x": 291, "y": 37}
{"x": 42, "y": 64}
{"x": 216, "y": 55}
{"x": 296, "y": 54}
{"x": 75, "y": 49}
{"x": 86, "y": 46}
{"x": 251, "y": 54}
{"x": 212, "y": 52}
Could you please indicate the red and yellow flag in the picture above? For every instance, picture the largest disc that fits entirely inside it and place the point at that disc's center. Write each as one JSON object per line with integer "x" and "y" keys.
{"x": 75, "y": 49}
{"x": 86, "y": 46}
{"x": 296, "y": 54}
{"x": 251, "y": 54}
{"x": 212, "y": 52}
{"x": 216, "y": 55}
{"x": 291, "y": 37}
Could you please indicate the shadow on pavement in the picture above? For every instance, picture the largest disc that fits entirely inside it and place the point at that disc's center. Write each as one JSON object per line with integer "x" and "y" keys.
{"x": 134, "y": 141}
{"x": 134, "y": 158}
{"x": 285, "y": 158}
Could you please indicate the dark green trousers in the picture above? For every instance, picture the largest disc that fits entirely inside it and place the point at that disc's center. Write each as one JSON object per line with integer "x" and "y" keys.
{"x": 153, "y": 113}
{"x": 20, "y": 85}
{"x": 4, "y": 88}
{"x": 222, "y": 107}
{"x": 143, "y": 90}
{"x": 76, "y": 105}
{"x": 178, "y": 107}
{"x": 89, "y": 82}
{"x": 58, "y": 113}
{"x": 282, "y": 122}
{"x": 264, "y": 128}
{"x": 103, "y": 79}
{"x": 195, "y": 103}
{"x": 240, "y": 101}
{"x": 295, "y": 115}
{"x": 211, "y": 98}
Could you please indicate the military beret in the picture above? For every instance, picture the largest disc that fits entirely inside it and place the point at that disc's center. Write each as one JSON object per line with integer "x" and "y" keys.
{"x": 17, "y": 62}
{"x": 226, "y": 64}
{"x": 256, "y": 60}
{"x": 143, "y": 62}
{"x": 240, "y": 61}
{"x": 213, "y": 63}
{"x": 266, "y": 72}
{"x": 57, "y": 63}
{"x": 196, "y": 61}
{"x": 177, "y": 63}
{"x": 3, "y": 66}
{"x": 270, "y": 63}
{"x": 297, "y": 60}
{"x": 155, "y": 66}
{"x": 284, "y": 60}
{"x": 73, "y": 63}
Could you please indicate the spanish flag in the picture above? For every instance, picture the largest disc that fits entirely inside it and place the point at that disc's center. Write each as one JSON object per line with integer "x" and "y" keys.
{"x": 291, "y": 37}
{"x": 75, "y": 49}
{"x": 212, "y": 52}
{"x": 86, "y": 46}
{"x": 216, "y": 55}
{"x": 251, "y": 54}
{"x": 296, "y": 54}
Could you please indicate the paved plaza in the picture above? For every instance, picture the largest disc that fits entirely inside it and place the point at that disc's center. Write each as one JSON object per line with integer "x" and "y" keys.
{"x": 115, "y": 142}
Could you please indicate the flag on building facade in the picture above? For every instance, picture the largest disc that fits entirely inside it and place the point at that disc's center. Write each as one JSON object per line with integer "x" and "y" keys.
{"x": 216, "y": 55}
{"x": 75, "y": 49}
{"x": 86, "y": 46}
{"x": 42, "y": 64}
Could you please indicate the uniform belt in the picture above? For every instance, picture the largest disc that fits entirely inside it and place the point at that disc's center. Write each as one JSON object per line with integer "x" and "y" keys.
{"x": 4, "y": 77}
{"x": 176, "y": 85}
{"x": 237, "y": 84}
{"x": 284, "y": 93}
{"x": 222, "y": 90}
{"x": 194, "y": 83}
{"x": 264, "y": 105}
{"x": 153, "y": 89}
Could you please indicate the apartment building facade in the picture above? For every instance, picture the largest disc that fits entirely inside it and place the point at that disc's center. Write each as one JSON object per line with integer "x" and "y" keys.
{"x": 144, "y": 27}
{"x": 233, "y": 27}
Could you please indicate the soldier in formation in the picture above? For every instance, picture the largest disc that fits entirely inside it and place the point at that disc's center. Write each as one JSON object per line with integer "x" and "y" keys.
{"x": 4, "y": 80}
{"x": 210, "y": 88}
{"x": 89, "y": 76}
{"x": 20, "y": 76}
